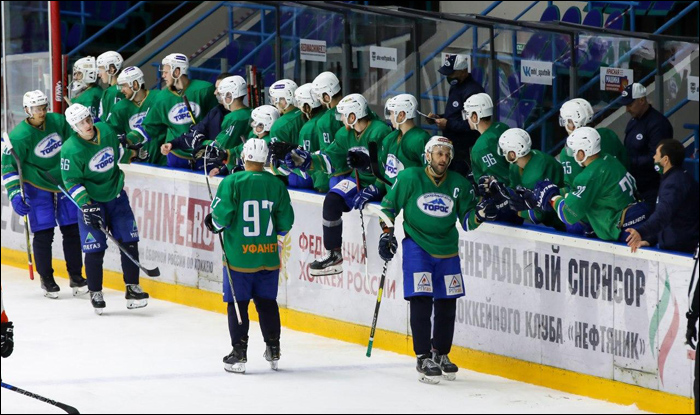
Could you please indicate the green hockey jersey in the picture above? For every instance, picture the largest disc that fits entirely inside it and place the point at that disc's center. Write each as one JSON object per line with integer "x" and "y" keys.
{"x": 431, "y": 209}
{"x": 541, "y": 166}
{"x": 399, "y": 152}
{"x": 126, "y": 117}
{"x": 287, "y": 127}
{"x": 110, "y": 97}
{"x": 609, "y": 144}
{"x": 485, "y": 156}
{"x": 89, "y": 168}
{"x": 91, "y": 99}
{"x": 38, "y": 150}
{"x": 254, "y": 208}
{"x": 599, "y": 195}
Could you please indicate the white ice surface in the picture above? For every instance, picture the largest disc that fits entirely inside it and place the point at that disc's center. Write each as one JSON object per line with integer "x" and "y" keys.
{"x": 166, "y": 358}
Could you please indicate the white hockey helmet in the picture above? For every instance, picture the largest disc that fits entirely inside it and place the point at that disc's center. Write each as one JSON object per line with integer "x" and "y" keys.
{"x": 128, "y": 76}
{"x": 107, "y": 59}
{"x": 284, "y": 88}
{"x": 325, "y": 83}
{"x": 516, "y": 140}
{"x": 34, "y": 99}
{"x": 406, "y": 103}
{"x": 352, "y": 104}
{"x": 304, "y": 96}
{"x": 75, "y": 114}
{"x": 481, "y": 104}
{"x": 584, "y": 139}
{"x": 436, "y": 141}
{"x": 88, "y": 68}
{"x": 255, "y": 150}
{"x": 175, "y": 61}
{"x": 578, "y": 111}
{"x": 265, "y": 115}
{"x": 235, "y": 86}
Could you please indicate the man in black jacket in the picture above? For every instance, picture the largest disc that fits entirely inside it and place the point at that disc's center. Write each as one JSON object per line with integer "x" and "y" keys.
{"x": 462, "y": 86}
{"x": 642, "y": 135}
{"x": 674, "y": 224}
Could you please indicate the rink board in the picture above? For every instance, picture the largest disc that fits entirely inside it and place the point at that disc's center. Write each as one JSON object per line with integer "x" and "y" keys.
{"x": 578, "y": 315}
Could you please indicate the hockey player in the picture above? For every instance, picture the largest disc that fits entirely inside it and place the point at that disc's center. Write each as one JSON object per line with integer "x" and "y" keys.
{"x": 404, "y": 147}
{"x": 527, "y": 167}
{"x": 485, "y": 159}
{"x": 310, "y": 137}
{"x": 37, "y": 142}
{"x": 262, "y": 120}
{"x": 235, "y": 129}
{"x": 336, "y": 160}
{"x": 8, "y": 340}
{"x": 84, "y": 88}
{"x": 604, "y": 194}
{"x": 578, "y": 113}
{"x": 96, "y": 183}
{"x": 252, "y": 209}
{"x": 108, "y": 66}
{"x": 326, "y": 88}
{"x": 169, "y": 117}
{"x": 208, "y": 128}
{"x": 127, "y": 115}
{"x": 432, "y": 199}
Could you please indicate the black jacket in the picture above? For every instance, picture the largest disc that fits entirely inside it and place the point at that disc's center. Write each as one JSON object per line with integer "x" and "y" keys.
{"x": 642, "y": 136}
{"x": 457, "y": 129}
{"x": 674, "y": 223}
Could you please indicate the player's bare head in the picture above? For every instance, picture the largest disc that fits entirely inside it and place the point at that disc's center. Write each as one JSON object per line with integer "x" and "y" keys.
{"x": 400, "y": 109}
{"x": 262, "y": 119}
{"x": 476, "y": 108}
{"x": 325, "y": 87}
{"x": 232, "y": 89}
{"x": 282, "y": 94}
{"x": 583, "y": 144}
{"x": 574, "y": 114}
{"x": 108, "y": 66}
{"x": 306, "y": 100}
{"x": 514, "y": 144}
{"x": 130, "y": 82}
{"x": 35, "y": 105}
{"x": 173, "y": 67}
{"x": 80, "y": 120}
{"x": 351, "y": 110}
{"x": 254, "y": 155}
{"x": 439, "y": 153}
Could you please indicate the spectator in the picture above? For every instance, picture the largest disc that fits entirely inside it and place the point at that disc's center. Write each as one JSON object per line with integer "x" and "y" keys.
{"x": 642, "y": 135}
{"x": 674, "y": 223}
{"x": 462, "y": 86}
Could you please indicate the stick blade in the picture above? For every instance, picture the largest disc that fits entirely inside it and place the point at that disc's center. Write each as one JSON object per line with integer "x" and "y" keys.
{"x": 152, "y": 272}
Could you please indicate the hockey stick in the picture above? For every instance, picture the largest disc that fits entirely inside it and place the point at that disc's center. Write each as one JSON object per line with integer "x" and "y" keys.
{"x": 13, "y": 153}
{"x": 150, "y": 272}
{"x": 189, "y": 108}
{"x": 380, "y": 292}
{"x": 223, "y": 249}
{"x": 364, "y": 234}
{"x": 374, "y": 163}
{"x": 68, "y": 409}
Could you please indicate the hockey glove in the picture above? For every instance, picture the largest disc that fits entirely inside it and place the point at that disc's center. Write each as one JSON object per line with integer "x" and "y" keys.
{"x": 369, "y": 194}
{"x": 280, "y": 149}
{"x": 19, "y": 205}
{"x": 483, "y": 185}
{"x": 500, "y": 194}
{"x": 141, "y": 153}
{"x": 544, "y": 192}
{"x": 92, "y": 215}
{"x": 388, "y": 246}
{"x": 526, "y": 197}
{"x": 358, "y": 158}
{"x": 298, "y": 159}
{"x": 194, "y": 139}
{"x": 691, "y": 334}
{"x": 486, "y": 210}
{"x": 209, "y": 223}
{"x": 213, "y": 156}
{"x": 8, "y": 340}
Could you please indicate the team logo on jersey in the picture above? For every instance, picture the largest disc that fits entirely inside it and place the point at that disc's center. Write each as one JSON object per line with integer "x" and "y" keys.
{"x": 178, "y": 114}
{"x": 393, "y": 166}
{"x": 102, "y": 161}
{"x": 454, "y": 284}
{"x": 422, "y": 282}
{"x": 49, "y": 146}
{"x": 436, "y": 205}
{"x": 137, "y": 119}
{"x": 89, "y": 239}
